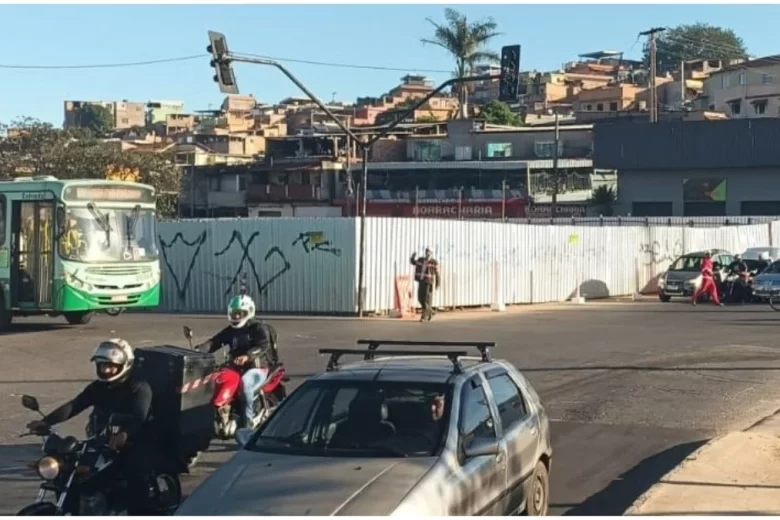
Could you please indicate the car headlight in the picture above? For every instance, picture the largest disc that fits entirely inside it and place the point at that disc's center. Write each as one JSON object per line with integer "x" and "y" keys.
{"x": 48, "y": 468}
{"x": 662, "y": 281}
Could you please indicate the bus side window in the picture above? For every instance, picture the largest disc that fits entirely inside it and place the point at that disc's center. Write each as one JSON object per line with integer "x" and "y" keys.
{"x": 2, "y": 219}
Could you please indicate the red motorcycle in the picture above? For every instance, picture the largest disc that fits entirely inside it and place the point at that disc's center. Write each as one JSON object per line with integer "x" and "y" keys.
{"x": 228, "y": 402}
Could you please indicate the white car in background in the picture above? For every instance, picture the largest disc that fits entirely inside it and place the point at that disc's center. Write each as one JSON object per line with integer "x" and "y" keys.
{"x": 753, "y": 253}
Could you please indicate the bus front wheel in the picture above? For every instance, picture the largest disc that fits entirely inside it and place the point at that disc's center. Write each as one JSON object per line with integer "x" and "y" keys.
{"x": 78, "y": 318}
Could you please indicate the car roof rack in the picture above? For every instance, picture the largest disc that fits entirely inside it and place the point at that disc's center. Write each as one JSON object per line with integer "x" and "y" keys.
{"x": 483, "y": 346}
{"x": 369, "y": 354}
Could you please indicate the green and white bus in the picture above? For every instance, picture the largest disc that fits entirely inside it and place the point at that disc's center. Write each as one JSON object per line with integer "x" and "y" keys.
{"x": 75, "y": 247}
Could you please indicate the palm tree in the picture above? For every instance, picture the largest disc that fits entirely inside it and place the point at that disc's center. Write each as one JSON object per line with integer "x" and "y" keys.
{"x": 466, "y": 42}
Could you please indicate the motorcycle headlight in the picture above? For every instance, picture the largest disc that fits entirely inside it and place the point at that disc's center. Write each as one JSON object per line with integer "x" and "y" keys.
{"x": 48, "y": 468}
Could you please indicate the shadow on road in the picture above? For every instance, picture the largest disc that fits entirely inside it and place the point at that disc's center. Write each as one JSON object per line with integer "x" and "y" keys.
{"x": 622, "y": 492}
{"x": 14, "y": 459}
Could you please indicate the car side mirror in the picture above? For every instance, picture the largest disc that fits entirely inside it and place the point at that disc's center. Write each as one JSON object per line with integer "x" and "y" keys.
{"x": 31, "y": 403}
{"x": 243, "y": 435}
{"x": 482, "y": 448}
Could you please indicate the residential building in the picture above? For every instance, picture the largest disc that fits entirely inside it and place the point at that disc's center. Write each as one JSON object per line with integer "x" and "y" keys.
{"x": 129, "y": 114}
{"x": 177, "y": 123}
{"x": 750, "y": 89}
{"x": 484, "y": 91}
{"x": 559, "y": 89}
{"x": 693, "y": 168}
{"x": 157, "y": 111}
{"x": 382, "y": 110}
{"x": 125, "y": 114}
{"x": 194, "y": 154}
{"x": 238, "y": 112}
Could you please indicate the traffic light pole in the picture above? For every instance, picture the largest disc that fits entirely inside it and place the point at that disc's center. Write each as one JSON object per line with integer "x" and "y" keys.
{"x": 365, "y": 146}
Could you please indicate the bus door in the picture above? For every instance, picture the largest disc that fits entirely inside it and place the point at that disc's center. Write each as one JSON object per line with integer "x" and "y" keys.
{"x": 32, "y": 262}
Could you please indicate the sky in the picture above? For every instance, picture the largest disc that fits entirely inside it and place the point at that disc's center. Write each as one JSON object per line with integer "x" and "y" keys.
{"x": 384, "y": 35}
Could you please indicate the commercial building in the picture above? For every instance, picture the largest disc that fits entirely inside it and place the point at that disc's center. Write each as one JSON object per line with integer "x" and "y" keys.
{"x": 693, "y": 168}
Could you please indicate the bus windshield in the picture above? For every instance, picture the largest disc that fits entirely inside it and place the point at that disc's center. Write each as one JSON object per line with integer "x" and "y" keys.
{"x": 100, "y": 235}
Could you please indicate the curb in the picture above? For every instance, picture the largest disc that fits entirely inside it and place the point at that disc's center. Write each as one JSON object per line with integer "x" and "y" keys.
{"x": 765, "y": 423}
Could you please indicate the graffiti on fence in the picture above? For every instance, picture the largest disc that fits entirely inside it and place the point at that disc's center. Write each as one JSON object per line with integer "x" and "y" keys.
{"x": 262, "y": 286}
{"x": 165, "y": 247}
{"x": 656, "y": 252}
{"x": 316, "y": 241}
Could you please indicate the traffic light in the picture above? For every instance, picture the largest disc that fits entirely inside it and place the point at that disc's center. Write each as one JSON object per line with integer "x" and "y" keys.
{"x": 509, "y": 81}
{"x": 223, "y": 70}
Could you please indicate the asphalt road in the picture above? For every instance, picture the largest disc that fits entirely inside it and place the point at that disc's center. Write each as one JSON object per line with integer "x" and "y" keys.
{"x": 632, "y": 388}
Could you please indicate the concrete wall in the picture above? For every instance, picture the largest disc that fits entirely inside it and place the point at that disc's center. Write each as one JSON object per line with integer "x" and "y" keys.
{"x": 300, "y": 265}
{"x": 754, "y": 184}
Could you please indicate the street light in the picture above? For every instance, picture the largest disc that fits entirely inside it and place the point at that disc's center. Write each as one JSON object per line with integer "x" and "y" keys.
{"x": 223, "y": 58}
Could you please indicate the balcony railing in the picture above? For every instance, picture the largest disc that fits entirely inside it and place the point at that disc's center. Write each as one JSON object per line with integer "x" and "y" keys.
{"x": 279, "y": 192}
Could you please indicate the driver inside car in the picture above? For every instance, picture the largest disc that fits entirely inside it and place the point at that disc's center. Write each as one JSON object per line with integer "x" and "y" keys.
{"x": 249, "y": 341}
{"x": 117, "y": 391}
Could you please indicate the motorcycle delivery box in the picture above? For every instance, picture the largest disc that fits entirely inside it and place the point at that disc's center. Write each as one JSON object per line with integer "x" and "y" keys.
{"x": 182, "y": 382}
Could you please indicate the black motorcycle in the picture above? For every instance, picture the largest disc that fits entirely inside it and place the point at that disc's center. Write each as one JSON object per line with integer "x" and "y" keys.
{"x": 81, "y": 476}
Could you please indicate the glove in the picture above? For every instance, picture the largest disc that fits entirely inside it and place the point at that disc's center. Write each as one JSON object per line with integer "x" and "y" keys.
{"x": 38, "y": 426}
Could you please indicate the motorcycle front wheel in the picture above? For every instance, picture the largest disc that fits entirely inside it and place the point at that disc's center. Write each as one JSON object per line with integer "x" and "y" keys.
{"x": 774, "y": 302}
{"x": 39, "y": 509}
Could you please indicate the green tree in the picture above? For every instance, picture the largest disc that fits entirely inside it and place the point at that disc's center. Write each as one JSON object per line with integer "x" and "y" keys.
{"x": 466, "y": 42}
{"x": 98, "y": 119}
{"x": 604, "y": 198}
{"x": 498, "y": 113}
{"x": 694, "y": 42}
{"x": 36, "y": 148}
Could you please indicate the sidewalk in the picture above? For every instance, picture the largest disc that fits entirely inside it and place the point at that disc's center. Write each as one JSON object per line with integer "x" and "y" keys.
{"x": 735, "y": 474}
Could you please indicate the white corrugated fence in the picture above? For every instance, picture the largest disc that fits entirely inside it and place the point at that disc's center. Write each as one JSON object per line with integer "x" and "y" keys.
{"x": 310, "y": 265}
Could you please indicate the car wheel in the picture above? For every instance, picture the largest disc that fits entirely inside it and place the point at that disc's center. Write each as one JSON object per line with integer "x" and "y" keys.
{"x": 538, "y": 501}
{"x": 664, "y": 298}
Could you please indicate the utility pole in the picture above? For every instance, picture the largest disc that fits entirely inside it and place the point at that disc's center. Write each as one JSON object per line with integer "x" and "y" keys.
{"x": 556, "y": 173}
{"x": 682, "y": 85}
{"x": 650, "y": 33}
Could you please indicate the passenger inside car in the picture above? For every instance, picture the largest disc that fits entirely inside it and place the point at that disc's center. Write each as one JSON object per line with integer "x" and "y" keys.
{"x": 366, "y": 423}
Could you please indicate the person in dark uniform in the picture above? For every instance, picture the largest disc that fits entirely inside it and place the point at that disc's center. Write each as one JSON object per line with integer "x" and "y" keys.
{"x": 426, "y": 274}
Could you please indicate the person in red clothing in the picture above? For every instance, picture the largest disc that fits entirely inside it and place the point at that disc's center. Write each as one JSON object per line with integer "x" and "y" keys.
{"x": 708, "y": 284}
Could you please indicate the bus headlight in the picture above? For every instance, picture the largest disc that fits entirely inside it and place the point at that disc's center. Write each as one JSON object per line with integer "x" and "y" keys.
{"x": 48, "y": 468}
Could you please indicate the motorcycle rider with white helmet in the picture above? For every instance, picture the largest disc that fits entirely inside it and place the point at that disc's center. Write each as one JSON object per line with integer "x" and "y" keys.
{"x": 252, "y": 346}
{"x": 117, "y": 390}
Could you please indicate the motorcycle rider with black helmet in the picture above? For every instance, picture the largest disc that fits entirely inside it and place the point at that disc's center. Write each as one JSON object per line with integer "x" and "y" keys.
{"x": 117, "y": 391}
{"x": 252, "y": 348}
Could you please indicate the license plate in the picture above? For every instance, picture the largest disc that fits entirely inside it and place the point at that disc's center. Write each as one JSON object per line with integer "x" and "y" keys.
{"x": 117, "y": 299}
{"x": 673, "y": 287}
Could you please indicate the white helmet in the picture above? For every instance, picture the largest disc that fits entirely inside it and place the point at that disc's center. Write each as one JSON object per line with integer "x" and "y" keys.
{"x": 117, "y": 352}
{"x": 241, "y": 309}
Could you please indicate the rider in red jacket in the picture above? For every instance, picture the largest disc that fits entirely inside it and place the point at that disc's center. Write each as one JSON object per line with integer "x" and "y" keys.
{"x": 707, "y": 282}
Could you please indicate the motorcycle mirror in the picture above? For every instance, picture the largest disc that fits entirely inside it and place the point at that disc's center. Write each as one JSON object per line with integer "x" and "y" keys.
{"x": 31, "y": 403}
{"x": 188, "y": 332}
{"x": 243, "y": 435}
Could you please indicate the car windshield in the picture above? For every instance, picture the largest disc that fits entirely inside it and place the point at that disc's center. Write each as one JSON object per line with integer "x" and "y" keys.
{"x": 99, "y": 235}
{"x": 774, "y": 268}
{"x": 343, "y": 418}
{"x": 687, "y": 263}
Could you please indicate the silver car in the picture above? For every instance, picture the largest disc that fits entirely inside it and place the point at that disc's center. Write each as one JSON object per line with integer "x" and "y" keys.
{"x": 684, "y": 275}
{"x": 425, "y": 432}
